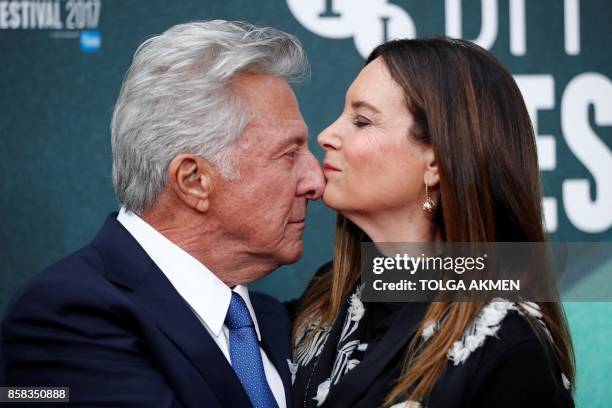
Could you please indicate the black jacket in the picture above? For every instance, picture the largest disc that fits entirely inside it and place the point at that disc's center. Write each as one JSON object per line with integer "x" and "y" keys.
{"x": 514, "y": 368}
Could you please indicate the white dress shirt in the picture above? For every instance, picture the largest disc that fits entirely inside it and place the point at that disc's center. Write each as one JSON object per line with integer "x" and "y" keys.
{"x": 206, "y": 294}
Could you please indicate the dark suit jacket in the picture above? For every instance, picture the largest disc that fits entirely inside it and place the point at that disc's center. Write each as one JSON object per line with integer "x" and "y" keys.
{"x": 106, "y": 322}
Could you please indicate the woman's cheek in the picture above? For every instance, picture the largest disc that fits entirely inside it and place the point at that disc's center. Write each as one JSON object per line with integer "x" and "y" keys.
{"x": 363, "y": 155}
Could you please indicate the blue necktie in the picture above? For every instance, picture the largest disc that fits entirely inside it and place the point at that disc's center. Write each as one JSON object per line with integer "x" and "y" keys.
{"x": 245, "y": 354}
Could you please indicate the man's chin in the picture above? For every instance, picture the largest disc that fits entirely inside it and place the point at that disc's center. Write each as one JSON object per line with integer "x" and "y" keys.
{"x": 292, "y": 254}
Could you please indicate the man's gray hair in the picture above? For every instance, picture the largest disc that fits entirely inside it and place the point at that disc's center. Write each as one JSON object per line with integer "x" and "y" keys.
{"x": 177, "y": 98}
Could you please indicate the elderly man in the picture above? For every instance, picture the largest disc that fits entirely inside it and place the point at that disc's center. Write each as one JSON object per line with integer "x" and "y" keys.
{"x": 212, "y": 168}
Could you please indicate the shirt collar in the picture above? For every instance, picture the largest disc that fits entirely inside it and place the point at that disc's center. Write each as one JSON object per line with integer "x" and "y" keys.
{"x": 205, "y": 293}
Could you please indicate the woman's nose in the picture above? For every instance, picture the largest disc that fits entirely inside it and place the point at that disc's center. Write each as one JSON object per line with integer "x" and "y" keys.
{"x": 329, "y": 138}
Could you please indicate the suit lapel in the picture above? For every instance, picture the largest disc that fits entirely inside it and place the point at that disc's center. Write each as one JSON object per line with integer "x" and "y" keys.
{"x": 277, "y": 347}
{"x": 128, "y": 265}
{"x": 179, "y": 323}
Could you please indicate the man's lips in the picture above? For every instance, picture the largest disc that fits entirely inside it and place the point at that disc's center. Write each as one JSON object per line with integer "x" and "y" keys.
{"x": 329, "y": 167}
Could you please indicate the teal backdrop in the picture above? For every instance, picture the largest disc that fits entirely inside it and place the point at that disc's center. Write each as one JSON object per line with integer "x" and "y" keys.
{"x": 62, "y": 62}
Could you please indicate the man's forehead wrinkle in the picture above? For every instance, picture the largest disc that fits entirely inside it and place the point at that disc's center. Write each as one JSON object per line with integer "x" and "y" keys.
{"x": 284, "y": 129}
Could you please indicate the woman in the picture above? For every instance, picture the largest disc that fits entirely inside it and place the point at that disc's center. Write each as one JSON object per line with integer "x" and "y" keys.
{"x": 434, "y": 144}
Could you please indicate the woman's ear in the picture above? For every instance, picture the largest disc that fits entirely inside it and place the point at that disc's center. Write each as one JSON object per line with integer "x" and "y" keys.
{"x": 431, "y": 176}
{"x": 190, "y": 177}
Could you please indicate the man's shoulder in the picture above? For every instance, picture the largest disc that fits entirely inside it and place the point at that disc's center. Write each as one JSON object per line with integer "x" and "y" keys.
{"x": 76, "y": 278}
{"x": 265, "y": 303}
{"x": 75, "y": 266}
{"x": 268, "y": 306}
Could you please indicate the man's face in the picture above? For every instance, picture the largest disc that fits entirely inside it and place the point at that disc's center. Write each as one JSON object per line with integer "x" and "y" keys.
{"x": 264, "y": 209}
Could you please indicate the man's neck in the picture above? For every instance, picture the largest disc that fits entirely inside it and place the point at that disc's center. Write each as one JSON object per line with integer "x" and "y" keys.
{"x": 205, "y": 241}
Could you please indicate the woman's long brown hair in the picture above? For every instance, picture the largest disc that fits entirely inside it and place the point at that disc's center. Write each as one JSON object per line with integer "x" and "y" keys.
{"x": 467, "y": 106}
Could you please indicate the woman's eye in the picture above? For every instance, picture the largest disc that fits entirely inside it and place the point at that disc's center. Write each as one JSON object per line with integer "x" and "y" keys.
{"x": 360, "y": 123}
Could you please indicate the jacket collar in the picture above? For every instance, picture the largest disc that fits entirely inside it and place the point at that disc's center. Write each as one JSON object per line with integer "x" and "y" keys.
{"x": 127, "y": 264}
{"x": 276, "y": 346}
{"x": 389, "y": 348}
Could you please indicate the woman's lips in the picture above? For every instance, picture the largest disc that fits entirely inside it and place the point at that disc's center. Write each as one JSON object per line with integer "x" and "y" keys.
{"x": 329, "y": 168}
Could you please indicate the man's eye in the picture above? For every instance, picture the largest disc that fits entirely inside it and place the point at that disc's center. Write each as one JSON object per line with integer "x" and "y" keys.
{"x": 292, "y": 154}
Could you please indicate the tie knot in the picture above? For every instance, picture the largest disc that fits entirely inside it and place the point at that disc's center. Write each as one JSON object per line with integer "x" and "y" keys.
{"x": 238, "y": 313}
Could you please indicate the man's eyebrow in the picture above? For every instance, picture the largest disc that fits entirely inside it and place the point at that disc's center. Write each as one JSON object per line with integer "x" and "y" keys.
{"x": 364, "y": 104}
{"x": 295, "y": 139}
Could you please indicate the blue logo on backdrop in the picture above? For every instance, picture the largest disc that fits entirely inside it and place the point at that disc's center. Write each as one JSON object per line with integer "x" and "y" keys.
{"x": 62, "y": 19}
{"x": 91, "y": 41}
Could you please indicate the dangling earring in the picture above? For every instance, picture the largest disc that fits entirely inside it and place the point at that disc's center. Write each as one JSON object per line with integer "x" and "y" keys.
{"x": 429, "y": 206}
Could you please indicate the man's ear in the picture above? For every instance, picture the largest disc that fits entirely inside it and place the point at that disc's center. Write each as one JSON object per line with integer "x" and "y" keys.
{"x": 432, "y": 175}
{"x": 191, "y": 179}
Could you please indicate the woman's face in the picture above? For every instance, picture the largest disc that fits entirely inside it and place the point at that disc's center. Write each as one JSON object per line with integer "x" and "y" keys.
{"x": 371, "y": 163}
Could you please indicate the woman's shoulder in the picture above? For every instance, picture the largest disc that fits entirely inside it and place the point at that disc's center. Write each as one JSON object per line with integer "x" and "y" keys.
{"x": 509, "y": 359}
{"x": 505, "y": 358}
{"x": 517, "y": 340}
{"x": 323, "y": 269}
{"x": 500, "y": 326}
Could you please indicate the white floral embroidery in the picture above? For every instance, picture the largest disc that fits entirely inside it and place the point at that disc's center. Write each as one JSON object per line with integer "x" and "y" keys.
{"x": 306, "y": 351}
{"x": 322, "y": 392}
{"x": 407, "y": 404}
{"x": 566, "y": 382}
{"x": 356, "y": 309}
{"x": 351, "y": 364}
{"x": 487, "y": 323}
{"x": 343, "y": 355}
{"x": 429, "y": 331}
{"x": 533, "y": 310}
{"x": 343, "y": 362}
{"x": 293, "y": 368}
{"x": 362, "y": 346}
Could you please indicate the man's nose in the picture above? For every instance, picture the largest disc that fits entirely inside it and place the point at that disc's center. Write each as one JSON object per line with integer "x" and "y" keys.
{"x": 312, "y": 182}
